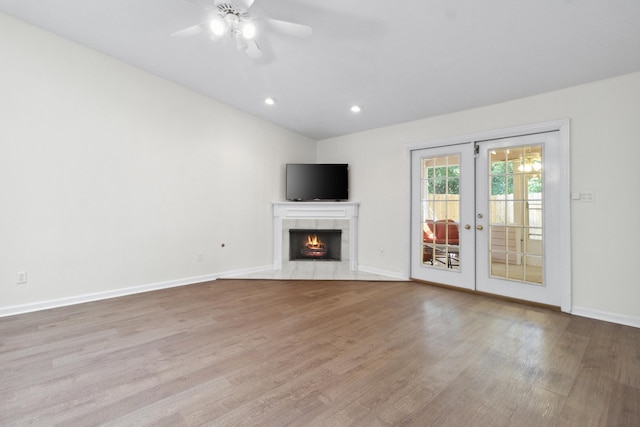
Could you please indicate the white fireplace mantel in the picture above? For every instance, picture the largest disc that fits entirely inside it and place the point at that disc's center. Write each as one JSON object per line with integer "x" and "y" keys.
{"x": 283, "y": 211}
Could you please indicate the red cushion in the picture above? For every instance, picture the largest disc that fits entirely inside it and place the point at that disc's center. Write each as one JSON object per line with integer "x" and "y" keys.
{"x": 447, "y": 232}
{"x": 427, "y": 231}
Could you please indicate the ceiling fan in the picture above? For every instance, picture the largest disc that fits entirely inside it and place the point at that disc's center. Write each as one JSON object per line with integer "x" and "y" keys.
{"x": 237, "y": 20}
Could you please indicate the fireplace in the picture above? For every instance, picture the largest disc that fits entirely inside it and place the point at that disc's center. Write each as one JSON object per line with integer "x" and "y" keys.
{"x": 317, "y": 217}
{"x": 315, "y": 245}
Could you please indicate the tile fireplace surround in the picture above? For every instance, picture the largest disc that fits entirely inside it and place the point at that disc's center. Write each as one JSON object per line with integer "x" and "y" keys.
{"x": 316, "y": 216}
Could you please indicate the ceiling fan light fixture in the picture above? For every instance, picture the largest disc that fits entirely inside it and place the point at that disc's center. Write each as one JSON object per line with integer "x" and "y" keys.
{"x": 217, "y": 26}
{"x": 229, "y": 20}
{"x": 249, "y": 30}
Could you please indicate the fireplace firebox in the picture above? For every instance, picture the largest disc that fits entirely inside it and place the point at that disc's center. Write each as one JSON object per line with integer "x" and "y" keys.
{"x": 315, "y": 245}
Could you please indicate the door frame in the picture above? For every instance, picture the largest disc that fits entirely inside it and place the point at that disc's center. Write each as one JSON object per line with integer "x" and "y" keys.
{"x": 564, "y": 220}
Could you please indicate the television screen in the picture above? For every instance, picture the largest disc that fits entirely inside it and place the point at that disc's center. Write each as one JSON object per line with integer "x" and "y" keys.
{"x": 307, "y": 181}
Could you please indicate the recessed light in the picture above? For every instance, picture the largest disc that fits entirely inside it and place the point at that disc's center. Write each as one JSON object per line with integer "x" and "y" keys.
{"x": 356, "y": 109}
{"x": 270, "y": 101}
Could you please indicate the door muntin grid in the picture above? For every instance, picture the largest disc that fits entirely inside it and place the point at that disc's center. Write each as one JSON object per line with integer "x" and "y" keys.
{"x": 440, "y": 212}
{"x": 516, "y": 214}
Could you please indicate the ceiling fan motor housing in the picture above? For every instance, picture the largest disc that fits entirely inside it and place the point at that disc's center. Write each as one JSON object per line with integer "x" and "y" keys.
{"x": 225, "y": 9}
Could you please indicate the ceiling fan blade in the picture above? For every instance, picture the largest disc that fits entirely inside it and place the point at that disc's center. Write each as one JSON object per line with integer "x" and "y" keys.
{"x": 204, "y": 4}
{"x": 249, "y": 46}
{"x": 245, "y": 3}
{"x": 190, "y": 31}
{"x": 289, "y": 28}
{"x": 253, "y": 50}
{"x": 241, "y": 43}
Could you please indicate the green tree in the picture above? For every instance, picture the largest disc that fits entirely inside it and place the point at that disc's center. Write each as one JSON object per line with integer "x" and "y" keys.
{"x": 502, "y": 179}
{"x": 535, "y": 184}
{"x": 446, "y": 179}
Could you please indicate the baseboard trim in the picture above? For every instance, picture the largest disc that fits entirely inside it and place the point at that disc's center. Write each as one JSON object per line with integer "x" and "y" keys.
{"x": 381, "y": 272}
{"x": 79, "y": 299}
{"x": 235, "y": 273}
{"x": 606, "y": 316}
{"x": 577, "y": 311}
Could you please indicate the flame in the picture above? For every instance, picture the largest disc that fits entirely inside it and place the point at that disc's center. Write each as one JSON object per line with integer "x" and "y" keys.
{"x": 314, "y": 242}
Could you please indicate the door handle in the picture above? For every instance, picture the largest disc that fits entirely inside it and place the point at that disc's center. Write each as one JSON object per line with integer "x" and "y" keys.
{"x": 479, "y": 227}
{"x": 466, "y": 227}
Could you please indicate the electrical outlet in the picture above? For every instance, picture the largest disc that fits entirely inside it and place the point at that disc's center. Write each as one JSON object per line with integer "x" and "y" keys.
{"x": 22, "y": 277}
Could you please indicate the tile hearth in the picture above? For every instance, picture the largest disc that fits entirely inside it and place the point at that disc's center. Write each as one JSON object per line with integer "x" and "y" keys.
{"x": 313, "y": 271}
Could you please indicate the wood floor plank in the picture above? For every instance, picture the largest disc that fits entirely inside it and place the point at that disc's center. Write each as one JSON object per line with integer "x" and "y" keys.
{"x": 559, "y": 372}
{"x": 315, "y": 353}
{"x": 624, "y": 407}
{"x": 589, "y": 401}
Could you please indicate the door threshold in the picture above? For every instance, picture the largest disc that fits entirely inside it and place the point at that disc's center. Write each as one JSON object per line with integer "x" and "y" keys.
{"x": 490, "y": 295}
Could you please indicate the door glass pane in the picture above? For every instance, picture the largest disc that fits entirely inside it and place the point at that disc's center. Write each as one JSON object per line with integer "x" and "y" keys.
{"x": 515, "y": 218}
{"x": 440, "y": 216}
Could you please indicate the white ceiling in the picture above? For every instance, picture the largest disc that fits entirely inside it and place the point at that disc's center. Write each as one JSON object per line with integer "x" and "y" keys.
{"x": 399, "y": 60}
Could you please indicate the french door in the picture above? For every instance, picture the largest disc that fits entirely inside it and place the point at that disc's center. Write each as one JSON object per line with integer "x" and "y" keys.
{"x": 485, "y": 216}
{"x": 442, "y": 212}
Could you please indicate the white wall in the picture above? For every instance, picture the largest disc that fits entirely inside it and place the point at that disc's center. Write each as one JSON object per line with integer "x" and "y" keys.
{"x": 113, "y": 178}
{"x": 605, "y": 151}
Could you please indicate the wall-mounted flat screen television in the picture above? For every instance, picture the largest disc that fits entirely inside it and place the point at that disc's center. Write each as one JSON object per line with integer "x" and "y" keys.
{"x": 309, "y": 181}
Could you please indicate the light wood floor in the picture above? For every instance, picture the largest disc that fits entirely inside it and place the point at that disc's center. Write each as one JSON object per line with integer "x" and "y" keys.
{"x": 309, "y": 353}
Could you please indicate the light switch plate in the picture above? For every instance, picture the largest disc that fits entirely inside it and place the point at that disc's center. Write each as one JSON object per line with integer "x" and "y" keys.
{"x": 588, "y": 196}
